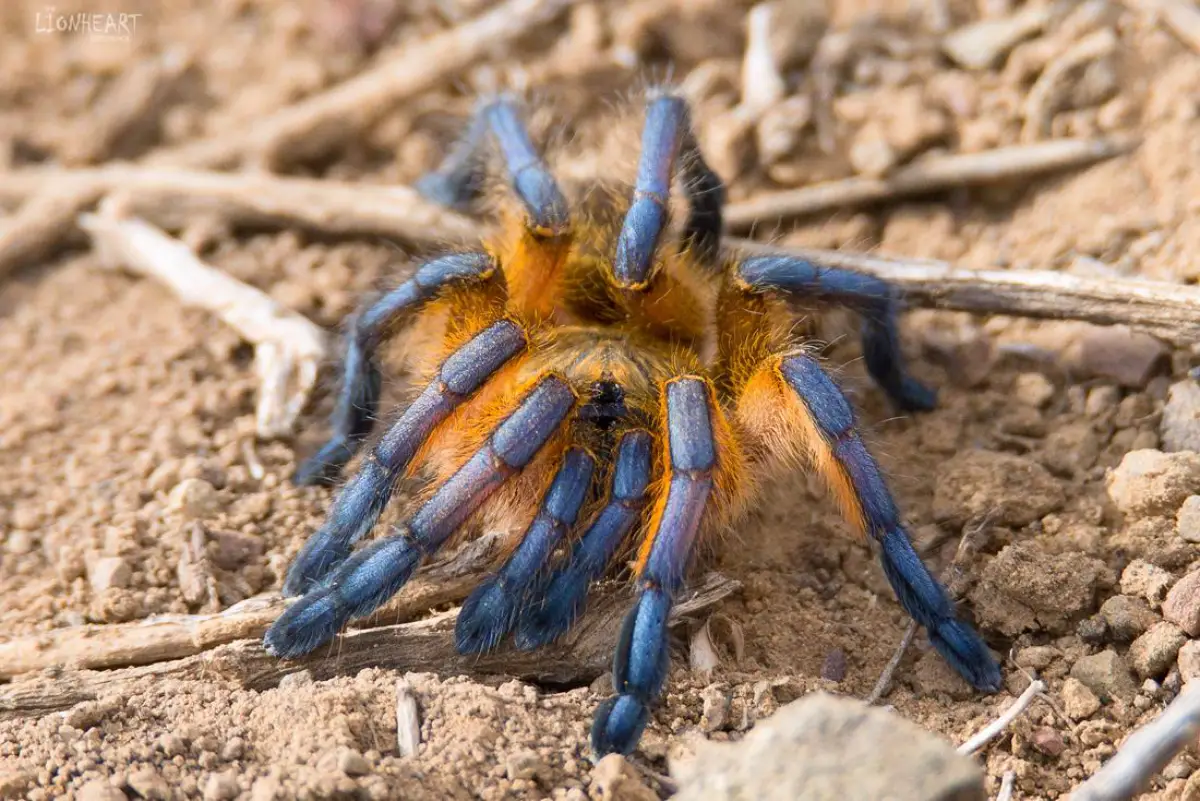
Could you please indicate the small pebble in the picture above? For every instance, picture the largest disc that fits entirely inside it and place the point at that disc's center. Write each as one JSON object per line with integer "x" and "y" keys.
{"x": 1182, "y": 606}
{"x": 1093, "y": 630}
{"x": 353, "y": 763}
{"x": 297, "y": 679}
{"x": 715, "y": 714}
{"x": 1187, "y": 520}
{"x": 220, "y": 787}
{"x": 172, "y": 745}
{"x": 1105, "y": 674}
{"x": 99, "y": 790}
{"x": 1037, "y": 657}
{"x": 1153, "y": 653}
{"x": 834, "y": 666}
{"x": 524, "y": 764}
{"x": 149, "y": 785}
{"x": 194, "y": 498}
{"x": 1078, "y": 701}
{"x": 108, "y": 572}
{"x": 614, "y": 779}
{"x": 1146, "y": 580}
{"x": 1048, "y": 741}
{"x": 1180, "y": 426}
{"x": 1127, "y": 617}
{"x": 1033, "y": 389}
{"x": 1151, "y": 483}
{"x": 1189, "y": 660}
{"x": 233, "y": 749}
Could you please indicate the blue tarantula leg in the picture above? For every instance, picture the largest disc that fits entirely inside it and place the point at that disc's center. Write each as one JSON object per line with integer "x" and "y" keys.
{"x": 856, "y": 478}
{"x": 872, "y": 297}
{"x": 643, "y": 649}
{"x": 358, "y": 396}
{"x": 666, "y": 137}
{"x": 363, "y": 582}
{"x": 491, "y": 610}
{"x": 457, "y": 180}
{"x": 554, "y": 605}
{"x": 363, "y": 498}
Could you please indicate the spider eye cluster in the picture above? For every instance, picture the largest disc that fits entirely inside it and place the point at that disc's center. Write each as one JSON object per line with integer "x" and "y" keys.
{"x": 605, "y": 404}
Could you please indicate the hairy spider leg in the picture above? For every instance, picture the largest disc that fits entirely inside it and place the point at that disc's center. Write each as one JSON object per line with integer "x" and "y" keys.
{"x": 668, "y": 131}
{"x": 792, "y": 399}
{"x": 364, "y": 497}
{"x": 872, "y": 297}
{"x": 643, "y": 649}
{"x": 490, "y": 612}
{"x": 358, "y": 395}
{"x": 364, "y": 581}
{"x": 557, "y": 601}
{"x": 534, "y": 256}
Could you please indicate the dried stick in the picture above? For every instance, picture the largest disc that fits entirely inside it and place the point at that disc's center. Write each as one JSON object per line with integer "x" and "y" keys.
{"x": 993, "y": 729}
{"x": 1169, "y": 311}
{"x": 1043, "y": 99}
{"x": 1146, "y": 751}
{"x": 408, "y": 721}
{"x": 167, "y": 637}
{"x": 580, "y": 656}
{"x": 1007, "y": 784}
{"x": 311, "y": 126}
{"x": 173, "y": 198}
{"x": 1181, "y": 16}
{"x": 928, "y": 175}
{"x": 284, "y": 342}
{"x": 44, "y": 223}
{"x": 885, "y": 678}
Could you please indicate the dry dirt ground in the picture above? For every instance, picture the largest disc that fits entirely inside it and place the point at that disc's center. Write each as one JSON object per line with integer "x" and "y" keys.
{"x": 113, "y": 394}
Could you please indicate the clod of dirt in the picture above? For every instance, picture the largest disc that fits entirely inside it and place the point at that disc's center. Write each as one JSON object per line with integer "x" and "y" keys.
{"x": 97, "y": 790}
{"x": 1180, "y": 426}
{"x": 1149, "y": 482}
{"x": 1153, "y": 653}
{"x": 194, "y": 498}
{"x": 1071, "y": 449}
{"x": 1037, "y": 657}
{"x": 614, "y": 779}
{"x": 1105, "y": 674}
{"x": 108, "y": 572}
{"x": 1078, "y": 701}
{"x": 1146, "y": 580}
{"x": 1023, "y": 588}
{"x": 1048, "y": 741}
{"x": 823, "y": 747}
{"x": 1182, "y": 606}
{"x": 983, "y": 44}
{"x": 1116, "y": 353}
{"x": 1187, "y": 519}
{"x": 1033, "y": 389}
{"x": 1005, "y": 489}
{"x": 1127, "y": 617}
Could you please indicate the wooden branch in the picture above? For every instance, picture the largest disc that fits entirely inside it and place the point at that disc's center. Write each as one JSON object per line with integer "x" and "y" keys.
{"x": 43, "y": 224}
{"x": 448, "y": 580}
{"x": 174, "y": 198}
{"x": 927, "y": 175}
{"x": 579, "y": 657}
{"x": 1014, "y": 710}
{"x": 1146, "y": 751}
{"x": 313, "y": 125}
{"x": 1169, "y": 311}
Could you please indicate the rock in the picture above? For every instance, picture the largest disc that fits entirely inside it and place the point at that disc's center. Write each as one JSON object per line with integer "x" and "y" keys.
{"x": 96, "y": 790}
{"x": 614, "y": 779}
{"x": 1146, "y": 580}
{"x": 1182, "y": 606}
{"x": 1048, "y": 741}
{"x": 1187, "y": 519}
{"x": 1023, "y": 588}
{"x": 1071, "y": 449}
{"x": 1149, "y": 482}
{"x": 871, "y": 154}
{"x": 230, "y": 550}
{"x": 1078, "y": 701}
{"x": 1093, "y": 630}
{"x": 233, "y": 749}
{"x": 266, "y": 788}
{"x": 715, "y": 714}
{"x": 149, "y": 785}
{"x": 1116, "y": 353}
{"x": 983, "y": 44}
{"x": 933, "y": 676}
{"x": 1189, "y": 660}
{"x": 524, "y": 764}
{"x": 1101, "y": 401}
{"x": 108, "y": 572}
{"x": 823, "y": 747}
{"x": 1033, "y": 389}
{"x": 353, "y": 763}
{"x": 14, "y": 782}
{"x": 1008, "y": 490}
{"x": 172, "y": 744}
{"x": 834, "y": 666}
{"x": 1180, "y": 425}
{"x": 220, "y": 787}
{"x": 1154, "y": 652}
{"x": 1037, "y": 657}
{"x": 1105, "y": 674}
{"x": 193, "y": 497}
{"x": 1127, "y": 617}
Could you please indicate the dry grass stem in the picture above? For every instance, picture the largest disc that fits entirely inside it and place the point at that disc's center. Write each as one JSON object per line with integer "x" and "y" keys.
{"x": 884, "y": 683}
{"x": 1181, "y": 16}
{"x": 408, "y": 720}
{"x": 288, "y": 348}
{"x": 997, "y": 726}
{"x": 930, "y": 174}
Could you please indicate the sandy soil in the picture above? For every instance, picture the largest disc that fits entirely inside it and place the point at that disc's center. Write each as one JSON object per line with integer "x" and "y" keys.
{"x": 114, "y": 395}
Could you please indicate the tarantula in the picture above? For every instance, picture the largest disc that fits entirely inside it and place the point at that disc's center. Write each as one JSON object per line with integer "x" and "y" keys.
{"x": 605, "y": 392}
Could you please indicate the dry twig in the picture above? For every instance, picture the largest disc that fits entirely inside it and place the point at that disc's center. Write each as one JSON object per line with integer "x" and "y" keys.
{"x": 1146, "y": 751}
{"x": 408, "y": 721}
{"x": 311, "y": 126}
{"x": 885, "y": 678}
{"x": 579, "y": 657}
{"x": 43, "y": 224}
{"x": 1043, "y": 99}
{"x": 1169, "y": 311}
{"x": 993, "y": 729}
{"x": 174, "y": 198}
{"x": 284, "y": 342}
{"x": 927, "y": 175}
{"x": 1181, "y": 16}
{"x": 94, "y": 647}
{"x": 1007, "y": 784}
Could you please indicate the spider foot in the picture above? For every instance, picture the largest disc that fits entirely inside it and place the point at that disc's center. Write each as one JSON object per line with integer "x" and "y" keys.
{"x": 324, "y": 467}
{"x": 487, "y": 615}
{"x": 618, "y": 725}
{"x": 913, "y": 396}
